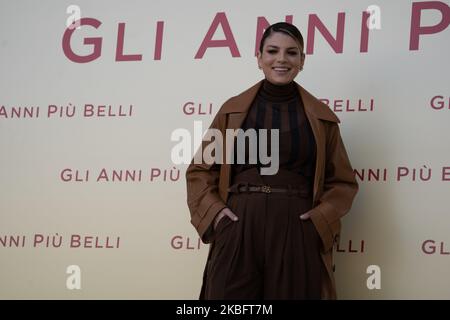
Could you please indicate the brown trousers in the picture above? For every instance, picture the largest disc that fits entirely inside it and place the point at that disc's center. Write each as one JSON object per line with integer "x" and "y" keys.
{"x": 269, "y": 253}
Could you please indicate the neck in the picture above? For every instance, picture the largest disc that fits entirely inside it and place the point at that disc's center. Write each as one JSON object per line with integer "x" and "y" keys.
{"x": 278, "y": 92}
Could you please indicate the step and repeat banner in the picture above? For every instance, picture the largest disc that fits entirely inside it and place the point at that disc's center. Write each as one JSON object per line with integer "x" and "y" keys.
{"x": 92, "y": 203}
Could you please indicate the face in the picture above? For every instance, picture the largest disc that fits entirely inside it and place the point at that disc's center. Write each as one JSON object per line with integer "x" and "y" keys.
{"x": 281, "y": 58}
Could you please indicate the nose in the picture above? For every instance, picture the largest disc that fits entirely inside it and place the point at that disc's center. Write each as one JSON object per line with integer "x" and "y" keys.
{"x": 281, "y": 57}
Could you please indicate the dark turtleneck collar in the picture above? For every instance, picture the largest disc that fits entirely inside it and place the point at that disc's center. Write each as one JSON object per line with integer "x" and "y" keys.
{"x": 273, "y": 92}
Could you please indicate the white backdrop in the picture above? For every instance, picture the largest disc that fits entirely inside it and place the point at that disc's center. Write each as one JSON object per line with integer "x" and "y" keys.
{"x": 130, "y": 236}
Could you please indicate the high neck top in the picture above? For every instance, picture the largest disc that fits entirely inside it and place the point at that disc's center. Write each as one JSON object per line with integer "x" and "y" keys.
{"x": 278, "y": 93}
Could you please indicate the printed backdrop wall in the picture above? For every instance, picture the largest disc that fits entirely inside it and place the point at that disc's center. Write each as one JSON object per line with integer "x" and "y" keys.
{"x": 89, "y": 193}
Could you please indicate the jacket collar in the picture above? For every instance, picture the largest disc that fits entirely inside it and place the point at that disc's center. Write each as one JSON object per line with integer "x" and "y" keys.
{"x": 242, "y": 102}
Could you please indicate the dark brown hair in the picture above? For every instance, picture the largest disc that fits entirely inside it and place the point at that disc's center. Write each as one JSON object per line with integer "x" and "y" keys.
{"x": 285, "y": 28}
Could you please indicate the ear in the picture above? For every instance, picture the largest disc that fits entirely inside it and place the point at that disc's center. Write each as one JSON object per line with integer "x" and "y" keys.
{"x": 302, "y": 59}
{"x": 258, "y": 58}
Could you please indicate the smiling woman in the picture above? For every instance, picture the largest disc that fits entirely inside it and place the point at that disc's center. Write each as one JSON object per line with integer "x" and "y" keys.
{"x": 272, "y": 234}
{"x": 281, "y": 57}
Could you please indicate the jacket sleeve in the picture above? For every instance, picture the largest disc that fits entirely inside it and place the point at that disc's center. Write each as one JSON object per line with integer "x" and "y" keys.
{"x": 339, "y": 189}
{"x": 202, "y": 180}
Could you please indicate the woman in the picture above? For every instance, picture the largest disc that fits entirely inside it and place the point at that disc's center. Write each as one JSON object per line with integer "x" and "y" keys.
{"x": 272, "y": 236}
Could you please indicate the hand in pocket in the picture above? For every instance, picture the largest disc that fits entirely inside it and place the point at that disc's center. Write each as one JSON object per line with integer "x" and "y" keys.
{"x": 225, "y": 212}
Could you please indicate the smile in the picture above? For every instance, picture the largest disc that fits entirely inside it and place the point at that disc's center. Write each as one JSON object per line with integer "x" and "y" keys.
{"x": 281, "y": 70}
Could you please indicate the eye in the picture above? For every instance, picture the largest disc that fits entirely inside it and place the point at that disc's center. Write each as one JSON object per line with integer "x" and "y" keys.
{"x": 271, "y": 51}
{"x": 293, "y": 53}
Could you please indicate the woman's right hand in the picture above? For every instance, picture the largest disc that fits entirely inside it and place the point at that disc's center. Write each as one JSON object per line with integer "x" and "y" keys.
{"x": 225, "y": 212}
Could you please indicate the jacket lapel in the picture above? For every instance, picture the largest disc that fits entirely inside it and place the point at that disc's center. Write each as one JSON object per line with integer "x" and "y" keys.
{"x": 320, "y": 152}
{"x": 316, "y": 111}
{"x": 235, "y": 111}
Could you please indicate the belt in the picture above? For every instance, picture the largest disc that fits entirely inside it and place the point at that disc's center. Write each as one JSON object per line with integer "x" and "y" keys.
{"x": 245, "y": 187}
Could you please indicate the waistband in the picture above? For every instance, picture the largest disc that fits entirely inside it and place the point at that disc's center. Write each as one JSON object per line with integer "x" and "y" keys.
{"x": 283, "y": 182}
{"x": 248, "y": 188}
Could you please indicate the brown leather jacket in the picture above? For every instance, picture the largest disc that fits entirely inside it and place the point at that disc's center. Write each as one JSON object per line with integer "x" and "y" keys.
{"x": 335, "y": 185}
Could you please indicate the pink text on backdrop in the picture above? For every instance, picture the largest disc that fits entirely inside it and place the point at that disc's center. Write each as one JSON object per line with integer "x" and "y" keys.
{"x": 336, "y": 42}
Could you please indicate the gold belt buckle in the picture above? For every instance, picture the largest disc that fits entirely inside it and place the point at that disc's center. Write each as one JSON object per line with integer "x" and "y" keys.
{"x": 266, "y": 189}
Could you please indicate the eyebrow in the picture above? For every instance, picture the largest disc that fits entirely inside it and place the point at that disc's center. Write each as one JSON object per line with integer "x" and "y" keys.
{"x": 279, "y": 47}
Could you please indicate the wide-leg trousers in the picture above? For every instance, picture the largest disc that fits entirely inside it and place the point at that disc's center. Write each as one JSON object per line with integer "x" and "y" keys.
{"x": 269, "y": 253}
